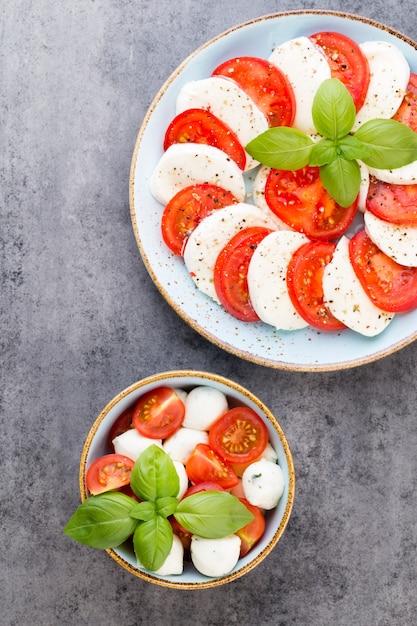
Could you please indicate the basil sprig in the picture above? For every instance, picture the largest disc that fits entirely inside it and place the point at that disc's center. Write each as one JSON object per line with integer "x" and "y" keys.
{"x": 109, "y": 519}
{"x": 379, "y": 143}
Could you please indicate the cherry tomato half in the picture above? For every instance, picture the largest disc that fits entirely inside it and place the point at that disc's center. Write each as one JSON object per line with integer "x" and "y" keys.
{"x": 159, "y": 413}
{"x": 407, "y": 112}
{"x": 347, "y": 63}
{"x": 305, "y": 284}
{"x": 201, "y": 126}
{"x": 239, "y": 436}
{"x": 208, "y": 485}
{"x": 108, "y": 472}
{"x": 252, "y": 532}
{"x": 231, "y": 271}
{"x": 205, "y": 465}
{"x": 299, "y": 199}
{"x": 268, "y": 87}
{"x": 120, "y": 426}
{"x": 390, "y": 286}
{"x": 186, "y": 210}
{"x": 392, "y": 203}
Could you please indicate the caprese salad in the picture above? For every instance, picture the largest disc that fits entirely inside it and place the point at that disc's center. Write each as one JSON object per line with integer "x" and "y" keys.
{"x": 196, "y": 475}
{"x": 286, "y": 252}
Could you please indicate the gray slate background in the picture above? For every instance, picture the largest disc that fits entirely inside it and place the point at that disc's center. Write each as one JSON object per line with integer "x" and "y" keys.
{"x": 80, "y": 320}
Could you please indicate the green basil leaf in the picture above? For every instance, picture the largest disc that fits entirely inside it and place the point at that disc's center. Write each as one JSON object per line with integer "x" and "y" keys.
{"x": 212, "y": 514}
{"x": 342, "y": 180}
{"x": 154, "y": 475}
{"x": 143, "y": 511}
{"x": 350, "y": 147}
{"x": 333, "y": 109}
{"x": 166, "y": 506}
{"x": 282, "y": 148}
{"x": 391, "y": 143}
{"x": 103, "y": 521}
{"x": 323, "y": 152}
{"x": 152, "y": 542}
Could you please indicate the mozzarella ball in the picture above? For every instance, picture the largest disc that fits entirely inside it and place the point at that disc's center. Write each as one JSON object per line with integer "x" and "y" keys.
{"x": 203, "y": 406}
{"x": 215, "y": 557}
{"x": 181, "y": 444}
{"x": 174, "y": 563}
{"x": 132, "y": 444}
{"x": 270, "y": 454}
{"x": 183, "y": 478}
{"x": 181, "y": 393}
{"x": 263, "y": 484}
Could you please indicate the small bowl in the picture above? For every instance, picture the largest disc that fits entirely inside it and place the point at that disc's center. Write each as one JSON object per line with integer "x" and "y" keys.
{"x": 276, "y": 519}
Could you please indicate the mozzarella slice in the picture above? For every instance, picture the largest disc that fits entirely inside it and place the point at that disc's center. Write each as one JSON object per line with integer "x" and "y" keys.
{"x": 267, "y": 280}
{"x": 405, "y": 175}
{"x": 211, "y": 235}
{"x": 263, "y": 484}
{"x": 227, "y": 101}
{"x": 184, "y": 164}
{"x": 346, "y": 298}
{"x": 306, "y": 68}
{"x": 181, "y": 444}
{"x": 397, "y": 241}
{"x": 258, "y": 197}
{"x": 389, "y": 76}
{"x": 204, "y": 405}
{"x": 215, "y": 557}
{"x": 364, "y": 186}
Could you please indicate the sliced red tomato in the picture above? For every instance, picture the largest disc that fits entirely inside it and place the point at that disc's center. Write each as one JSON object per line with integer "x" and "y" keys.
{"x": 120, "y": 426}
{"x": 252, "y": 532}
{"x": 182, "y": 533}
{"x": 392, "y": 203}
{"x": 204, "y": 464}
{"x": 305, "y": 284}
{"x": 265, "y": 84}
{"x": 186, "y": 210}
{"x": 299, "y": 199}
{"x": 239, "y": 436}
{"x": 208, "y": 485}
{"x": 390, "y": 286}
{"x": 159, "y": 413}
{"x": 108, "y": 472}
{"x": 347, "y": 63}
{"x": 231, "y": 271}
{"x": 407, "y": 112}
{"x": 201, "y": 126}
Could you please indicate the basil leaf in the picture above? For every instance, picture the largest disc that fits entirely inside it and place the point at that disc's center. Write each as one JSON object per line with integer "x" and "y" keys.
{"x": 166, "y": 506}
{"x": 103, "y": 521}
{"x": 391, "y": 143}
{"x": 154, "y": 475}
{"x": 342, "y": 179}
{"x": 350, "y": 147}
{"x": 323, "y": 152}
{"x": 212, "y": 514}
{"x": 144, "y": 511}
{"x": 152, "y": 542}
{"x": 282, "y": 148}
{"x": 333, "y": 109}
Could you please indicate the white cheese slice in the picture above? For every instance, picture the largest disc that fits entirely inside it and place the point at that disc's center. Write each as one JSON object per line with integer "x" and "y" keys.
{"x": 397, "y": 241}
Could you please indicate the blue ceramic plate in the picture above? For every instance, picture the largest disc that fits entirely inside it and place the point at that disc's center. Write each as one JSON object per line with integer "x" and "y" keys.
{"x": 303, "y": 350}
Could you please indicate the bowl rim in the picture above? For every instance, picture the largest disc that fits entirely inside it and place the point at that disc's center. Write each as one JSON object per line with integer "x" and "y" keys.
{"x": 164, "y": 377}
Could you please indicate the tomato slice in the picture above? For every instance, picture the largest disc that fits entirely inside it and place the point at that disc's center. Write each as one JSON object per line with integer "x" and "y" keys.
{"x": 186, "y": 210}
{"x": 268, "y": 87}
{"x": 305, "y": 284}
{"x": 121, "y": 425}
{"x": 231, "y": 271}
{"x": 347, "y": 63}
{"x": 239, "y": 436}
{"x": 205, "y": 465}
{"x": 108, "y": 472}
{"x": 299, "y": 199}
{"x": 392, "y": 203}
{"x": 407, "y": 112}
{"x": 390, "y": 286}
{"x": 201, "y": 126}
{"x": 159, "y": 413}
{"x": 252, "y": 532}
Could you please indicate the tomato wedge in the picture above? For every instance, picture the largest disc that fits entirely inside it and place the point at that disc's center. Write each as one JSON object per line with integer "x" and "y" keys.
{"x": 304, "y": 281}
{"x": 231, "y": 271}
{"x": 252, "y": 532}
{"x": 393, "y": 203}
{"x": 268, "y": 87}
{"x": 239, "y": 436}
{"x": 159, "y": 413}
{"x": 186, "y": 210}
{"x": 205, "y": 465}
{"x": 201, "y": 126}
{"x": 208, "y": 485}
{"x": 347, "y": 63}
{"x": 407, "y": 112}
{"x": 390, "y": 286}
{"x": 121, "y": 425}
{"x": 108, "y": 472}
{"x": 299, "y": 199}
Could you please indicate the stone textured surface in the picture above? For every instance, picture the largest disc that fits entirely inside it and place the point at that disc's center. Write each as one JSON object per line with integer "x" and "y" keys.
{"x": 81, "y": 319}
